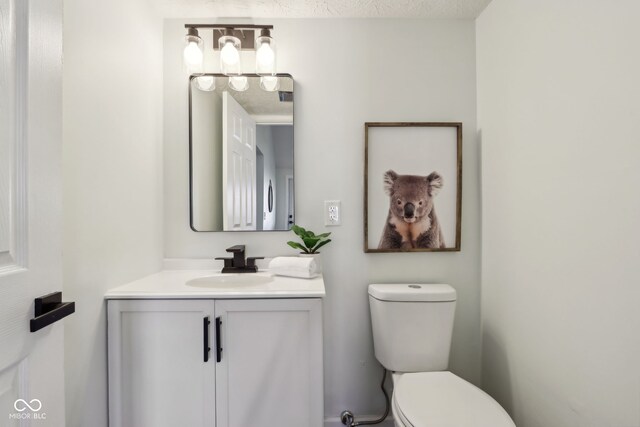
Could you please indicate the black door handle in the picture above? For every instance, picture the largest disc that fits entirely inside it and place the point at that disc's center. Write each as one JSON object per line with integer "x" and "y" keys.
{"x": 49, "y": 309}
{"x": 218, "y": 343}
{"x": 205, "y": 337}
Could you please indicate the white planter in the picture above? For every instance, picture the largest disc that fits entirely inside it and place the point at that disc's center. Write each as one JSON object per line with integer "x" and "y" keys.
{"x": 318, "y": 260}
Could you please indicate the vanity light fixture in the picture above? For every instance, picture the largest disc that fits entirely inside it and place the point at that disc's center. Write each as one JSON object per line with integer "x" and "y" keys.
{"x": 231, "y": 39}
{"x": 193, "y": 54}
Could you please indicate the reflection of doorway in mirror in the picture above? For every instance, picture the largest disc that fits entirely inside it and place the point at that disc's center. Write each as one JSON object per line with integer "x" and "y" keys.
{"x": 261, "y": 215}
{"x": 290, "y": 191}
{"x": 275, "y": 142}
{"x": 238, "y": 166}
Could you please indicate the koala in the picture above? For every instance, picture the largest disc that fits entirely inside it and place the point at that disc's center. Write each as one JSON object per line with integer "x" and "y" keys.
{"x": 412, "y": 220}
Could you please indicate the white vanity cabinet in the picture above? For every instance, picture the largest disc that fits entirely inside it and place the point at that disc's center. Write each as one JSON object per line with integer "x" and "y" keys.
{"x": 157, "y": 373}
{"x": 269, "y": 373}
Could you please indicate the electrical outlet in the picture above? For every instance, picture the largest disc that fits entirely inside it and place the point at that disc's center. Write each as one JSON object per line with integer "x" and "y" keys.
{"x": 332, "y": 212}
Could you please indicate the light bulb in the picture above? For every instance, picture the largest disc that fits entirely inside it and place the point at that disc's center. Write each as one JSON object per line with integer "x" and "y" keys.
{"x": 269, "y": 83}
{"x": 230, "y": 61}
{"x": 193, "y": 56}
{"x": 229, "y": 54}
{"x": 239, "y": 83}
{"x": 205, "y": 83}
{"x": 265, "y": 56}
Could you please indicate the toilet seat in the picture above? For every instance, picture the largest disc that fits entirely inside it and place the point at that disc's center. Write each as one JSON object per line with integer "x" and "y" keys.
{"x": 441, "y": 399}
{"x": 400, "y": 419}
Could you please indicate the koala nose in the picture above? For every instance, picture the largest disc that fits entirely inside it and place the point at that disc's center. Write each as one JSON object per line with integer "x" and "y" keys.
{"x": 409, "y": 209}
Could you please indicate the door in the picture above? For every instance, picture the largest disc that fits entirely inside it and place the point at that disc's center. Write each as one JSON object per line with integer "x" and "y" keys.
{"x": 161, "y": 368}
{"x": 290, "y": 191}
{"x": 270, "y": 372}
{"x": 238, "y": 166}
{"x": 31, "y": 364}
{"x": 261, "y": 213}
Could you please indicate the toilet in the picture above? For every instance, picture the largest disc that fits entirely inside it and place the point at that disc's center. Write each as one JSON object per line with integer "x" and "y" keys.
{"x": 412, "y": 327}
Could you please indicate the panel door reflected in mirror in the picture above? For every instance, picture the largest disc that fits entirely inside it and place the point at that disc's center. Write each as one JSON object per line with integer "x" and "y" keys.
{"x": 241, "y": 154}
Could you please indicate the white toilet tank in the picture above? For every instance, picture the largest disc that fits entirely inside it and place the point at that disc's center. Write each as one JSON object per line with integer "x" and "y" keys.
{"x": 412, "y": 325}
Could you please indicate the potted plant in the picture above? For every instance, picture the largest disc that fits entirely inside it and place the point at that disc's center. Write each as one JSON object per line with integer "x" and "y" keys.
{"x": 311, "y": 242}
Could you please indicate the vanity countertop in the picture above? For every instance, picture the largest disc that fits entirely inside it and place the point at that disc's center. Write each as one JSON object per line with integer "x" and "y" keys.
{"x": 172, "y": 284}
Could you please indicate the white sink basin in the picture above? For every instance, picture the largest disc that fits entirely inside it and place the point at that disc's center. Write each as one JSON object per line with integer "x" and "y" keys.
{"x": 230, "y": 280}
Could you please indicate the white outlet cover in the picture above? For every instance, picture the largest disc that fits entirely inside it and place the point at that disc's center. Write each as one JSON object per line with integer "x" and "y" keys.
{"x": 332, "y": 212}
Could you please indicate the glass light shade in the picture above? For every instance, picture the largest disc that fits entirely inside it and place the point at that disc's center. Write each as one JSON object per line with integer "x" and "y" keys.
{"x": 239, "y": 83}
{"x": 269, "y": 83}
{"x": 193, "y": 55}
{"x": 265, "y": 56}
{"x": 205, "y": 83}
{"x": 230, "y": 64}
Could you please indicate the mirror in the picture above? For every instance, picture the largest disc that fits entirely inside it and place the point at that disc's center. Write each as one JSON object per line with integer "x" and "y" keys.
{"x": 241, "y": 153}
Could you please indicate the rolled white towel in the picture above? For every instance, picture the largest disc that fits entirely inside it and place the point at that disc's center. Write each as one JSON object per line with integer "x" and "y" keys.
{"x": 302, "y": 267}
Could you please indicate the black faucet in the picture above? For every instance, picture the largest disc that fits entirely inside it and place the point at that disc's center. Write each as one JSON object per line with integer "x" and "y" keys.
{"x": 237, "y": 264}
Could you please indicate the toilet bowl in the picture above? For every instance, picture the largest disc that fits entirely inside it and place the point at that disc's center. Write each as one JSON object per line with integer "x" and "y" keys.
{"x": 442, "y": 399}
{"x": 412, "y": 327}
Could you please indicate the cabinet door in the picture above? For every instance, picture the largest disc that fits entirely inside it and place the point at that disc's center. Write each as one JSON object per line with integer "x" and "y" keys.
{"x": 270, "y": 373}
{"x": 157, "y": 372}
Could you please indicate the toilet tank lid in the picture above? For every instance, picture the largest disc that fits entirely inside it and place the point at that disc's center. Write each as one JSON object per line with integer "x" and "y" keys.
{"x": 411, "y": 292}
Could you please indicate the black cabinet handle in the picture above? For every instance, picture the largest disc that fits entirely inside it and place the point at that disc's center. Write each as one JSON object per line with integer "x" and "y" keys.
{"x": 218, "y": 343}
{"x": 49, "y": 309}
{"x": 205, "y": 331}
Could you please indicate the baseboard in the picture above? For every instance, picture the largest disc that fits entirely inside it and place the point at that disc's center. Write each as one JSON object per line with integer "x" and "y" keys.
{"x": 335, "y": 422}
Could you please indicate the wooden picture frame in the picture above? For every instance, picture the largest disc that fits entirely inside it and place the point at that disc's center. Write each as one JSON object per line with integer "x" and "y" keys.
{"x": 413, "y": 186}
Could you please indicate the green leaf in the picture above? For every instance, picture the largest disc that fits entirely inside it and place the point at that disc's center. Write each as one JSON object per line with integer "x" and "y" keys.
{"x": 321, "y": 244}
{"x": 324, "y": 235}
{"x": 296, "y": 245}
{"x": 299, "y": 231}
{"x": 310, "y": 242}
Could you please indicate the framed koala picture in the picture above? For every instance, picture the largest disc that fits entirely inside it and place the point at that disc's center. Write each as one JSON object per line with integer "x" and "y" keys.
{"x": 413, "y": 187}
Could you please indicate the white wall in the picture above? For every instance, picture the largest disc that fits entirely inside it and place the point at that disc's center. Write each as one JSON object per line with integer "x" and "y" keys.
{"x": 206, "y": 147}
{"x": 348, "y": 72}
{"x": 112, "y": 131}
{"x": 558, "y": 114}
{"x": 284, "y": 146}
{"x": 280, "y": 198}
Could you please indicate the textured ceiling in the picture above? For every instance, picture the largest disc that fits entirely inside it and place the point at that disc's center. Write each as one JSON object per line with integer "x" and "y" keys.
{"x": 434, "y": 9}
{"x": 258, "y": 102}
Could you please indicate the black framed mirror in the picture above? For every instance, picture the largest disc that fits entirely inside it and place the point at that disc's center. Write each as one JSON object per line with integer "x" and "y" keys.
{"x": 241, "y": 152}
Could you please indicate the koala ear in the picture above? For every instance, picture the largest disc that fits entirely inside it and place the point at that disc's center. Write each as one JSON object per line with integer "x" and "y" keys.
{"x": 435, "y": 183}
{"x": 389, "y": 178}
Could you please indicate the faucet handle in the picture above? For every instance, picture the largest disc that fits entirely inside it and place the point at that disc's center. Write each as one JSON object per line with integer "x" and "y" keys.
{"x": 236, "y": 248}
{"x": 238, "y": 255}
{"x": 251, "y": 261}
